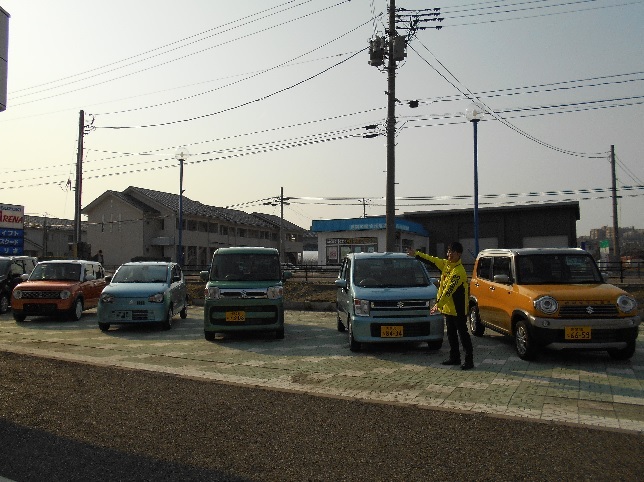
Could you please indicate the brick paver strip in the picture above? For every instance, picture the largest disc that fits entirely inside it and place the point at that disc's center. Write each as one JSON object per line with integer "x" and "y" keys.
{"x": 583, "y": 388}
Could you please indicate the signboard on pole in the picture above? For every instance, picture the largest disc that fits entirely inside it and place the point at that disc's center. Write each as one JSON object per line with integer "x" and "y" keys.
{"x": 12, "y": 229}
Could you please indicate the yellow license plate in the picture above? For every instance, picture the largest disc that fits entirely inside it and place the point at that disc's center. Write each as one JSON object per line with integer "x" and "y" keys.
{"x": 577, "y": 333}
{"x": 235, "y": 316}
{"x": 391, "y": 332}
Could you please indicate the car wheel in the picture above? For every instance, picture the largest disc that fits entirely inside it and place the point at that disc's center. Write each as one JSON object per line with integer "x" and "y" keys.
{"x": 341, "y": 327}
{"x": 77, "y": 310}
{"x": 104, "y": 326}
{"x": 4, "y": 303}
{"x": 476, "y": 327}
{"x": 19, "y": 317}
{"x": 523, "y": 341}
{"x": 353, "y": 344}
{"x": 435, "y": 344}
{"x": 623, "y": 353}
{"x": 209, "y": 335}
{"x": 279, "y": 334}
{"x": 167, "y": 324}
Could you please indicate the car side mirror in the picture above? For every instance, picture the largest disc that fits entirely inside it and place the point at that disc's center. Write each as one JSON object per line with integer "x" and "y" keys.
{"x": 108, "y": 279}
{"x": 203, "y": 275}
{"x": 286, "y": 275}
{"x": 341, "y": 283}
{"x": 24, "y": 277}
{"x": 176, "y": 279}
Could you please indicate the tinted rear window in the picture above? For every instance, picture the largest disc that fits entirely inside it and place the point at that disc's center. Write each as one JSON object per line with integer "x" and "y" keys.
{"x": 380, "y": 273}
{"x": 245, "y": 267}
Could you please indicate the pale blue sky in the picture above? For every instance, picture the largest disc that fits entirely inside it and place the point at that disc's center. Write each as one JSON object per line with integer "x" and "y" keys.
{"x": 259, "y": 104}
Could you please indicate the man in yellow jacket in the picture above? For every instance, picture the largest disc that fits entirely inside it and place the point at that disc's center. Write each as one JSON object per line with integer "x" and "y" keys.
{"x": 452, "y": 300}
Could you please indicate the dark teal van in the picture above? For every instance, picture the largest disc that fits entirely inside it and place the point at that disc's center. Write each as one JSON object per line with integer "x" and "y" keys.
{"x": 244, "y": 292}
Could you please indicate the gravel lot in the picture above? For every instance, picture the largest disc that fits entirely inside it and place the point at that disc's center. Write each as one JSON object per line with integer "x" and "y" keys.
{"x": 68, "y": 421}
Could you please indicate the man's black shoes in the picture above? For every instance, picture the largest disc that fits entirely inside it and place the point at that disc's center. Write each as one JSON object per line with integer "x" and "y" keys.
{"x": 452, "y": 361}
{"x": 468, "y": 365}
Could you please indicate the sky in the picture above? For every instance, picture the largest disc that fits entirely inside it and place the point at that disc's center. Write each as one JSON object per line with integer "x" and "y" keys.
{"x": 266, "y": 95}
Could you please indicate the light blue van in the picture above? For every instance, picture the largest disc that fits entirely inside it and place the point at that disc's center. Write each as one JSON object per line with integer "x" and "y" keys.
{"x": 386, "y": 297}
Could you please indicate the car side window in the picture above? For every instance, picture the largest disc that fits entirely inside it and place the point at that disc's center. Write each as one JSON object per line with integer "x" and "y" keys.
{"x": 501, "y": 266}
{"x": 17, "y": 268}
{"x": 483, "y": 268}
{"x": 345, "y": 272}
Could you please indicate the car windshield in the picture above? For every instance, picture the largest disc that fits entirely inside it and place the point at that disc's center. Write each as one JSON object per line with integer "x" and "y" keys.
{"x": 557, "y": 269}
{"x": 383, "y": 273}
{"x": 245, "y": 267}
{"x": 56, "y": 272}
{"x": 141, "y": 274}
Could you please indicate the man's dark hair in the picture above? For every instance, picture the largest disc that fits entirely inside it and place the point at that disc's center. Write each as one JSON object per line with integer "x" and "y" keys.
{"x": 456, "y": 247}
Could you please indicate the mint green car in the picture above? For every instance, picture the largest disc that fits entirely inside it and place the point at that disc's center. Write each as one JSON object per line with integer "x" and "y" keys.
{"x": 244, "y": 292}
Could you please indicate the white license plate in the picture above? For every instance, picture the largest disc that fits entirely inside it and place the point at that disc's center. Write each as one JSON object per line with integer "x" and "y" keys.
{"x": 122, "y": 315}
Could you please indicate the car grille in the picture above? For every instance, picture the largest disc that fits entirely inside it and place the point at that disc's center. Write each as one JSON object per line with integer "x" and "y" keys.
{"x": 141, "y": 315}
{"x": 587, "y": 311}
{"x": 255, "y": 315}
{"x": 409, "y": 329}
{"x": 399, "y": 309}
{"x": 244, "y": 294}
{"x": 40, "y": 295}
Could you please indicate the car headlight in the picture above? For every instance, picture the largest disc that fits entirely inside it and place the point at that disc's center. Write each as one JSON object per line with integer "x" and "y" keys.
{"x": 274, "y": 292}
{"x": 156, "y": 298}
{"x": 212, "y": 293}
{"x": 626, "y": 304}
{"x": 546, "y": 304}
{"x": 361, "y": 307}
{"x": 17, "y": 294}
{"x": 107, "y": 298}
{"x": 65, "y": 294}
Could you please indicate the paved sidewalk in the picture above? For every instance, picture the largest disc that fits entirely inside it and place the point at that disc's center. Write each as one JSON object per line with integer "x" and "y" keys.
{"x": 586, "y": 388}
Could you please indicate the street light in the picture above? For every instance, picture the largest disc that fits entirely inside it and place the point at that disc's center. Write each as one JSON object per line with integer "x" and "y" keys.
{"x": 181, "y": 155}
{"x": 474, "y": 114}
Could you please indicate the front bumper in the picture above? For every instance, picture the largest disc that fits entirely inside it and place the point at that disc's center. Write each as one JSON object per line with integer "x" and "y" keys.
{"x": 131, "y": 313}
{"x": 422, "y": 328}
{"x": 259, "y": 315}
{"x": 605, "y": 333}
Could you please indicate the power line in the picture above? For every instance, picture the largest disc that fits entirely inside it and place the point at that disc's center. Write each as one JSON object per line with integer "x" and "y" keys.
{"x": 243, "y": 104}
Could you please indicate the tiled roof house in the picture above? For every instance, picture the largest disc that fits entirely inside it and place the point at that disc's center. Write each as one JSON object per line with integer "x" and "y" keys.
{"x": 143, "y": 223}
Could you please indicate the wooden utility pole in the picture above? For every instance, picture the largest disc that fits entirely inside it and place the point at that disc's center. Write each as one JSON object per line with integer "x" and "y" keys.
{"x": 390, "y": 202}
{"x": 616, "y": 250}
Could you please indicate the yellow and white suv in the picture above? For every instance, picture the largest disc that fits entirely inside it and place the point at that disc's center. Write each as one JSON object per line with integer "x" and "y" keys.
{"x": 553, "y": 297}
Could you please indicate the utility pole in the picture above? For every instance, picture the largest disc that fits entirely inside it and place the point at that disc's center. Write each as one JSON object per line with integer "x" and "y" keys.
{"x": 79, "y": 184}
{"x": 616, "y": 250}
{"x": 390, "y": 195}
{"x": 282, "y": 225}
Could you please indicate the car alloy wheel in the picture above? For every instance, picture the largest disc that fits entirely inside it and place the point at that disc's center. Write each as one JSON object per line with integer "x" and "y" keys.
{"x": 476, "y": 327}
{"x": 4, "y": 303}
{"x": 523, "y": 341}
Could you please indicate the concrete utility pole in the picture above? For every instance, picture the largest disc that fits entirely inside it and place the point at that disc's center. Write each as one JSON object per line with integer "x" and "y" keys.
{"x": 282, "y": 258}
{"x": 79, "y": 184}
{"x": 390, "y": 200}
{"x": 616, "y": 250}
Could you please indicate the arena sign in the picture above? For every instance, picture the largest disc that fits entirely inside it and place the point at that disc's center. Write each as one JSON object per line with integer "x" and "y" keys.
{"x": 12, "y": 229}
